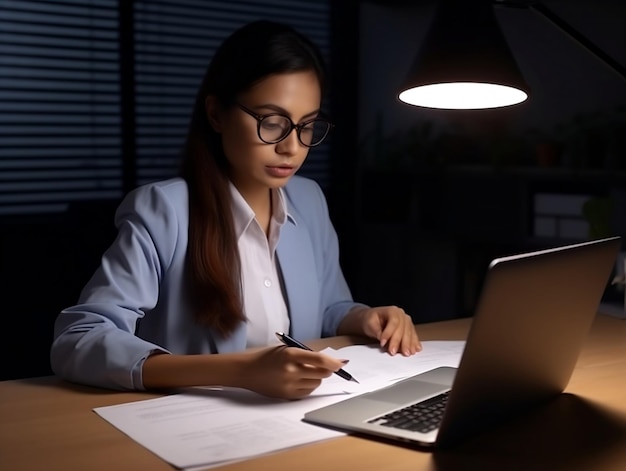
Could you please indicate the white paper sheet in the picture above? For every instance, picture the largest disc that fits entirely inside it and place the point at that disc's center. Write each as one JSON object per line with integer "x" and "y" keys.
{"x": 374, "y": 368}
{"x": 211, "y": 426}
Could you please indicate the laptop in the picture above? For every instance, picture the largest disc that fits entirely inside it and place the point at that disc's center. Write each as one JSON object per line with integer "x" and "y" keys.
{"x": 531, "y": 320}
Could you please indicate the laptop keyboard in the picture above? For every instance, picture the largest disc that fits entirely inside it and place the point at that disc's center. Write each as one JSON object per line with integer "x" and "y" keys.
{"x": 423, "y": 416}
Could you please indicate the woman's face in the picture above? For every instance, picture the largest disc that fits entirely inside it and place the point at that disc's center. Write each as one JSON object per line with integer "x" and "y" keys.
{"x": 255, "y": 165}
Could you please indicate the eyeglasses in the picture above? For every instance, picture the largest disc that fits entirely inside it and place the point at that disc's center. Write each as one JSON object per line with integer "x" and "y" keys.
{"x": 274, "y": 127}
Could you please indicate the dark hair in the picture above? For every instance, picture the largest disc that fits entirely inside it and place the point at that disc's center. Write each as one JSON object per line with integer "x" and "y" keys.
{"x": 252, "y": 53}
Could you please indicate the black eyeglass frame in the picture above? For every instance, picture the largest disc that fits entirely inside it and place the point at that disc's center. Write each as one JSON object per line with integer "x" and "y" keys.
{"x": 298, "y": 127}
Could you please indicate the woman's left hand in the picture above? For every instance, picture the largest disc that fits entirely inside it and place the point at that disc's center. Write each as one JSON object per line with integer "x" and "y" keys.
{"x": 390, "y": 325}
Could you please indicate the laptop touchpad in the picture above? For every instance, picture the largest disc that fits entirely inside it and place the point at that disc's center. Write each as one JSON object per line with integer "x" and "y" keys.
{"x": 407, "y": 391}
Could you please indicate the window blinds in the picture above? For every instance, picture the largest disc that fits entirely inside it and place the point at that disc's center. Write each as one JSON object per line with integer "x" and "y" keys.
{"x": 60, "y": 97}
{"x": 59, "y": 104}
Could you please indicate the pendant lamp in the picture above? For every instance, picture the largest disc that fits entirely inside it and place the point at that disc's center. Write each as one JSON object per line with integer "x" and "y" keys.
{"x": 464, "y": 61}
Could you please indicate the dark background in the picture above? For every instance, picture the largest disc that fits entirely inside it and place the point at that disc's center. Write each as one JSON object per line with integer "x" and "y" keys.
{"x": 421, "y": 199}
{"x": 443, "y": 192}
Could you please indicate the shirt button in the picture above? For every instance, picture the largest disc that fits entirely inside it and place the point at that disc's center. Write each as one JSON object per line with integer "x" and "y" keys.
{"x": 267, "y": 283}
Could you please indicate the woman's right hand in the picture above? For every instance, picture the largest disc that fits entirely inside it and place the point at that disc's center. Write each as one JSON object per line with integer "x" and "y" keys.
{"x": 286, "y": 372}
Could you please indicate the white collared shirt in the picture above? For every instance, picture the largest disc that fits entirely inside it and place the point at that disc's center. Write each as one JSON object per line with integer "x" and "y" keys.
{"x": 263, "y": 299}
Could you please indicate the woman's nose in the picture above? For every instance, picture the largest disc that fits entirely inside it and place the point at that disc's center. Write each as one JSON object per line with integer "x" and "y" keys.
{"x": 290, "y": 144}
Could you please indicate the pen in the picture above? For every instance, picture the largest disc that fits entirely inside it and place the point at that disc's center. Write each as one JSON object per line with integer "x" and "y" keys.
{"x": 291, "y": 342}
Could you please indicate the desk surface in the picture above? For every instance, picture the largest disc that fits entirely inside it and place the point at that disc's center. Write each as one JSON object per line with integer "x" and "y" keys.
{"x": 48, "y": 424}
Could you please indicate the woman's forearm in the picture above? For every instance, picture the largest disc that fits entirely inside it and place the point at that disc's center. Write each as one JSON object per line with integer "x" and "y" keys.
{"x": 352, "y": 323}
{"x": 176, "y": 371}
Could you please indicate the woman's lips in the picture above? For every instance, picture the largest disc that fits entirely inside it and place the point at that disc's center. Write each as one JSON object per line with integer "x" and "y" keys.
{"x": 280, "y": 172}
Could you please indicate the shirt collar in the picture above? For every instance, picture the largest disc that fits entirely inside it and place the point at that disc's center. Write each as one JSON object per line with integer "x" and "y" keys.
{"x": 243, "y": 215}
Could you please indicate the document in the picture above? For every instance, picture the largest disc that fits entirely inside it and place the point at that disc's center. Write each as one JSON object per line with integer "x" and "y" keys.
{"x": 204, "y": 427}
{"x": 374, "y": 368}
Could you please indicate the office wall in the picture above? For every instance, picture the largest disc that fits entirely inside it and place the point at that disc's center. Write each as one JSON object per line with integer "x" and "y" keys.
{"x": 460, "y": 184}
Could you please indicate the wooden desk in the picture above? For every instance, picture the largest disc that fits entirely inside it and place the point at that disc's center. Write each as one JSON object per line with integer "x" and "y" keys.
{"x": 48, "y": 424}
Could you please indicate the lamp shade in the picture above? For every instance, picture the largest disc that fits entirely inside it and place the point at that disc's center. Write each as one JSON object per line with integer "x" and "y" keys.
{"x": 464, "y": 61}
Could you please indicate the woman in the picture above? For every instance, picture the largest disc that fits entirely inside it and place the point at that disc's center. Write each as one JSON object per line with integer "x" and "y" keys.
{"x": 211, "y": 264}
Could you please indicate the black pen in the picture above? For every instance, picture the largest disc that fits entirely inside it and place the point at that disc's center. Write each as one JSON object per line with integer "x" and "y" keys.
{"x": 291, "y": 342}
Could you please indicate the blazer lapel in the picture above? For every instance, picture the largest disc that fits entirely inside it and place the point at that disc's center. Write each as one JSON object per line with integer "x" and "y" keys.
{"x": 297, "y": 263}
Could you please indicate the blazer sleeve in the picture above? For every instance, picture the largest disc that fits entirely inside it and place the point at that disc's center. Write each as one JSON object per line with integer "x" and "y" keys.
{"x": 94, "y": 341}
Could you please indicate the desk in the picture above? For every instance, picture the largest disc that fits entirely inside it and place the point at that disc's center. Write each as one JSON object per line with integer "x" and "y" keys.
{"x": 49, "y": 424}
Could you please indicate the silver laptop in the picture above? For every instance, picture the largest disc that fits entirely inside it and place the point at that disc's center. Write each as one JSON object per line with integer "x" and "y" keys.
{"x": 531, "y": 320}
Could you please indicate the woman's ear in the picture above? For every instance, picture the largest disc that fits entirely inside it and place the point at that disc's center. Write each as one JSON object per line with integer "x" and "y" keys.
{"x": 212, "y": 109}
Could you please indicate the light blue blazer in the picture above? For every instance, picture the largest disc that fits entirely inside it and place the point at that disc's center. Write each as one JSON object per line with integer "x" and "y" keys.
{"x": 135, "y": 303}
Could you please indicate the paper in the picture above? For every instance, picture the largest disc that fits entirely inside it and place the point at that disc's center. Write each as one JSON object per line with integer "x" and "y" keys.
{"x": 374, "y": 368}
{"x": 211, "y": 426}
